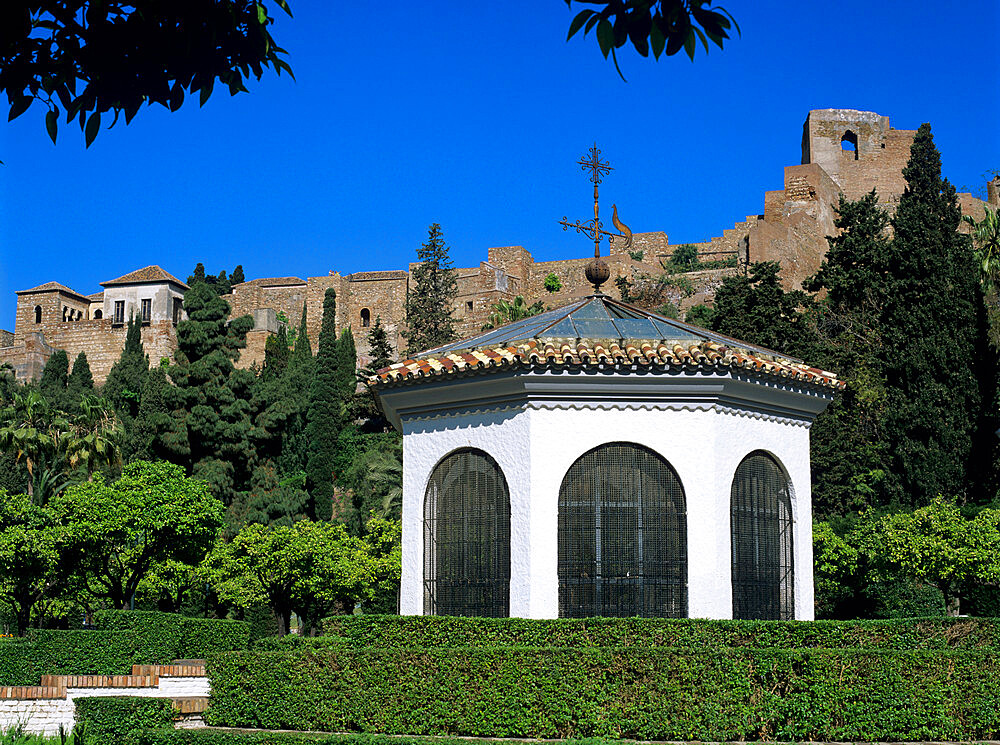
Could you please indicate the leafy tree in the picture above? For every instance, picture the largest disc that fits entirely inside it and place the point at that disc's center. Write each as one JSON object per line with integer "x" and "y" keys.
{"x": 118, "y": 531}
{"x": 935, "y": 544}
{"x": 685, "y": 257}
{"x": 81, "y": 380}
{"x": 375, "y": 477}
{"x": 325, "y": 412}
{"x": 123, "y": 386}
{"x": 700, "y": 315}
{"x": 237, "y": 277}
{"x": 835, "y": 568}
{"x": 508, "y": 311}
{"x": 939, "y": 369}
{"x": 552, "y": 282}
{"x": 115, "y": 56}
{"x": 756, "y": 309}
{"x": 654, "y": 25}
{"x": 309, "y": 568}
{"x": 209, "y": 431}
{"x": 429, "y": 304}
{"x": 29, "y": 555}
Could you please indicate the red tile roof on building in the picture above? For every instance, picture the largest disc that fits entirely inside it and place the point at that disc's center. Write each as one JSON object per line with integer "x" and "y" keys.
{"x": 558, "y": 338}
{"x": 152, "y": 273}
{"x": 52, "y": 287}
{"x": 96, "y": 297}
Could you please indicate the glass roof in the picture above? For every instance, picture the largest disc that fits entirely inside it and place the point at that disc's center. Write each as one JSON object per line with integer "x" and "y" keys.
{"x": 594, "y": 318}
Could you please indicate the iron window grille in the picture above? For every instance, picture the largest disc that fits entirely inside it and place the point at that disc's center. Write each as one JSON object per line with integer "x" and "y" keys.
{"x": 622, "y": 536}
{"x": 467, "y": 538}
{"x": 761, "y": 524}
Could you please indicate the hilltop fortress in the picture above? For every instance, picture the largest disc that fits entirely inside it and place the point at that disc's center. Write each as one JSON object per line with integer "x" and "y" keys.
{"x": 843, "y": 152}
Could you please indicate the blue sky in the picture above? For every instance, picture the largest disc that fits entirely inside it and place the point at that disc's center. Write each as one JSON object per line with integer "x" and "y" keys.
{"x": 473, "y": 115}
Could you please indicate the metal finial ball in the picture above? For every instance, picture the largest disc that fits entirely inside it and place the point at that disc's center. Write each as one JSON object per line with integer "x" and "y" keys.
{"x": 597, "y": 272}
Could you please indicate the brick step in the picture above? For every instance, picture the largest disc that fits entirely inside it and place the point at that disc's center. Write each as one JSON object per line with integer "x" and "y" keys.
{"x": 100, "y": 681}
{"x": 174, "y": 670}
{"x": 190, "y": 704}
{"x": 32, "y": 692}
{"x": 188, "y": 662}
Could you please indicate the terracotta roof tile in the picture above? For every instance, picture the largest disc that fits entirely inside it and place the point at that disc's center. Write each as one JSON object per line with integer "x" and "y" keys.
{"x": 52, "y": 287}
{"x": 151, "y": 273}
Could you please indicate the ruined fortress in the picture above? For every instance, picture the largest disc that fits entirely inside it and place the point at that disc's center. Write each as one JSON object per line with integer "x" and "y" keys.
{"x": 843, "y": 152}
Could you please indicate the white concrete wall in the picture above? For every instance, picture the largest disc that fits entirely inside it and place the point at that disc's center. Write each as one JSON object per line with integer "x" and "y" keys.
{"x": 536, "y": 446}
{"x": 46, "y": 716}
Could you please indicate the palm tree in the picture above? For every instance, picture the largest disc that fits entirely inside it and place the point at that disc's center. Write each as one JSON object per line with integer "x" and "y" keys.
{"x": 36, "y": 433}
{"x": 505, "y": 312}
{"x": 986, "y": 243}
{"x": 95, "y": 436}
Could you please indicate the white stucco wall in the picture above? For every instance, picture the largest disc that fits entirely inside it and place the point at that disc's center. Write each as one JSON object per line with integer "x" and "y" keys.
{"x": 46, "y": 716}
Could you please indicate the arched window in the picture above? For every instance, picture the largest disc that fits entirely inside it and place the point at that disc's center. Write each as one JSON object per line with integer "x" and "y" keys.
{"x": 38, "y": 314}
{"x": 98, "y": 314}
{"x": 622, "y": 535}
{"x": 366, "y": 318}
{"x": 467, "y": 538}
{"x": 65, "y": 313}
{"x": 761, "y": 525}
{"x": 849, "y": 142}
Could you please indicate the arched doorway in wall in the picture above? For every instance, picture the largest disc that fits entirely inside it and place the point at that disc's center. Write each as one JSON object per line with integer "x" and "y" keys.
{"x": 366, "y": 318}
{"x": 622, "y": 535}
{"x": 467, "y": 537}
{"x": 38, "y": 314}
{"x": 761, "y": 533}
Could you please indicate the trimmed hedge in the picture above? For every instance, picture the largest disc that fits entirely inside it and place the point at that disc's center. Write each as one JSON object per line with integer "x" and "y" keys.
{"x": 122, "y": 720}
{"x": 445, "y": 631}
{"x": 636, "y": 692}
{"x": 188, "y": 637}
{"x": 219, "y": 737}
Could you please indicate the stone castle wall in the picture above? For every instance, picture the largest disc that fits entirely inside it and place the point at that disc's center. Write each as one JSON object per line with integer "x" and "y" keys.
{"x": 791, "y": 229}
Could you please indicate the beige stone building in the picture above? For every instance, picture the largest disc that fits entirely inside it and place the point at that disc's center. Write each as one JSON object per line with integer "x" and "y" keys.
{"x": 844, "y": 151}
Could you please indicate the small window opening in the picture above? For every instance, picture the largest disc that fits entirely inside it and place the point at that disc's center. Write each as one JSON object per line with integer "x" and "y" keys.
{"x": 849, "y": 143}
{"x": 178, "y": 306}
{"x": 65, "y": 313}
{"x": 119, "y": 311}
{"x": 98, "y": 315}
{"x": 38, "y": 314}
{"x": 366, "y": 318}
{"x": 146, "y": 310}
{"x": 468, "y": 305}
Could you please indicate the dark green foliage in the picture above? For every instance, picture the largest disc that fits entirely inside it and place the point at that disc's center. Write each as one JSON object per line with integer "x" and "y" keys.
{"x": 276, "y": 355}
{"x": 430, "y": 302}
{"x": 210, "y": 428}
{"x": 700, "y": 315}
{"x": 685, "y": 257}
{"x": 222, "y": 737}
{"x": 222, "y": 284}
{"x": 325, "y": 412}
{"x": 444, "y": 631}
{"x": 54, "y": 381}
{"x": 756, "y": 309}
{"x": 197, "y": 276}
{"x": 237, "y": 277}
{"x": 81, "y": 380}
{"x": 715, "y": 694}
{"x": 153, "y": 415}
{"x": 123, "y": 387}
{"x": 188, "y": 637}
{"x": 122, "y": 720}
{"x": 939, "y": 369}
{"x": 346, "y": 362}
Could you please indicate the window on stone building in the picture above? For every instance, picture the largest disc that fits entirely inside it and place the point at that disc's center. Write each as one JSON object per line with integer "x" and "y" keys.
{"x": 38, "y": 314}
{"x": 98, "y": 314}
{"x": 65, "y": 313}
{"x": 761, "y": 525}
{"x": 467, "y": 538}
{"x": 119, "y": 311}
{"x": 849, "y": 142}
{"x": 468, "y": 305}
{"x": 622, "y": 535}
{"x": 178, "y": 306}
{"x": 366, "y": 318}
{"x": 146, "y": 310}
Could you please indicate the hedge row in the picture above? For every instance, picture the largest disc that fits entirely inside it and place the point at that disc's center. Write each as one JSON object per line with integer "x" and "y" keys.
{"x": 123, "y": 639}
{"x": 220, "y": 737}
{"x": 443, "y": 631}
{"x": 121, "y": 720}
{"x": 188, "y": 637}
{"x": 641, "y": 693}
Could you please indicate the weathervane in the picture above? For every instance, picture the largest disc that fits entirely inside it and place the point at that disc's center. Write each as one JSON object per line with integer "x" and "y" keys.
{"x": 597, "y": 270}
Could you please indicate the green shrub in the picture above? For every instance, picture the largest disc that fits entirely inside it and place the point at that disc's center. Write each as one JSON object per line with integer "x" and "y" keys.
{"x": 644, "y": 693}
{"x": 17, "y": 662}
{"x": 444, "y": 631}
{"x": 217, "y": 737}
{"x": 187, "y": 637}
{"x": 121, "y": 720}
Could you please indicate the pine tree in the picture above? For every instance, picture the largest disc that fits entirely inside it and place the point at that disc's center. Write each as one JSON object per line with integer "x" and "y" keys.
{"x": 123, "y": 387}
{"x": 210, "y": 429}
{"x": 276, "y": 355}
{"x": 939, "y": 369}
{"x": 237, "y": 276}
{"x": 81, "y": 380}
{"x": 379, "y": 348}
{"x": 430, "y": 303}
{"x": 324, "y": 413}
{"x": 222, "y": 284}
{"x": 197, "y": 276}
{"x": 55, "y": 378}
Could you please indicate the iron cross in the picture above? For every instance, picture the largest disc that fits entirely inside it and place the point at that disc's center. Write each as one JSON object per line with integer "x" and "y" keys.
{"x": 593, "y": 228}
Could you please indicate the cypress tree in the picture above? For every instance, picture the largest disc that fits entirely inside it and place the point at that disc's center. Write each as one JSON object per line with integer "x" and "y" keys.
{"x": 197, "y": 276}
{"x": 55, "y": 378}
{"x": 939, "y": 369}
{"x": 222, "y": 284}
{"x": 237, "y": 276}
{"x": 123, "y": 387}
{"x": 429, "y": 305}
{"x": 346, "y": 361}
{"x": 81, "y": 380}
{"x": 324, "y": 413}
{"x": 379, "y": 348}
{"x": 153, "y": 415}
{"x": 276, "y": 355}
